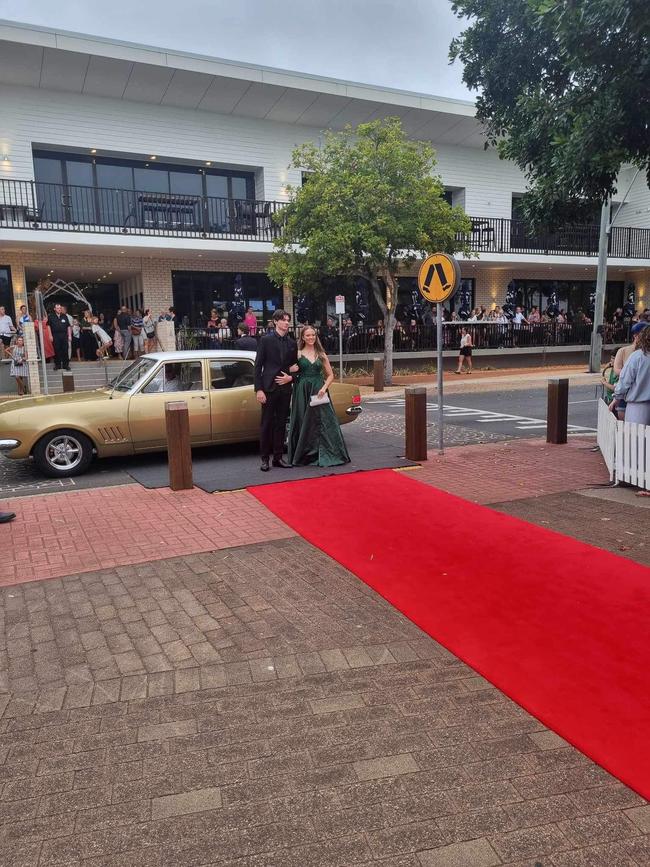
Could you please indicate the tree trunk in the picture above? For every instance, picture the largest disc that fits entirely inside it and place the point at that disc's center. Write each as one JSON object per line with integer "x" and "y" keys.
{"x": 387, "y": 306}
{"x": 389, "y": 324}
{"x": 389, "y": 329}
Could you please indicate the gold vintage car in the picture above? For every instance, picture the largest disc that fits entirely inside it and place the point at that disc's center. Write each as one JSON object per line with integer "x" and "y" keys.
{"x": 64, "y": 432}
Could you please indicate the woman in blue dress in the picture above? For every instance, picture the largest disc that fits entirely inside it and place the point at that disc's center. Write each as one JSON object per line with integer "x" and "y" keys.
{"x": 315, "y": 436}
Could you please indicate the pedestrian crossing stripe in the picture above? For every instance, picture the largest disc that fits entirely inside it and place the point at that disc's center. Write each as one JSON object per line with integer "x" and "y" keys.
{"x": 484, "y": 416}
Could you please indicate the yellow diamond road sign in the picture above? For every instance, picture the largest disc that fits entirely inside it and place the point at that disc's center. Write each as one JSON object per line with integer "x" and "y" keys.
{"x": 438, "y": 277}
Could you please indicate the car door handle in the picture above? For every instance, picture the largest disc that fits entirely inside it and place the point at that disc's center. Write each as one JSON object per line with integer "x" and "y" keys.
{"x": 199, "y": 397}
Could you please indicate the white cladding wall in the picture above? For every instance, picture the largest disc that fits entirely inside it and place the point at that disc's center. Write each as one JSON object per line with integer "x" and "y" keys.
{"x": 29, "y": 116}
{"x": 636, "y": 210}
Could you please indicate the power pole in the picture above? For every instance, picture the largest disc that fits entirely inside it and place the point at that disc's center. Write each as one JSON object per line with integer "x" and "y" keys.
{"x": 601, "y": 287}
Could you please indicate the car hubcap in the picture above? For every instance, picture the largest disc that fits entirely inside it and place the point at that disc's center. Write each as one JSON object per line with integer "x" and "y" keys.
{"x": 63, "y": 452}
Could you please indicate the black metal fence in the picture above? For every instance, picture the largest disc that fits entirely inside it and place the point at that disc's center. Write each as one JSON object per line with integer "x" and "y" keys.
{"x": 36, "y": 205}
{"x": 67, "y": 208}
{"x": 422, "y": 338}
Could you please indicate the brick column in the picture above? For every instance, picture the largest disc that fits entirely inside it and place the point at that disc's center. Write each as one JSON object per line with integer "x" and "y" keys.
{"x": 156, "y": 285}
{"x": 287, "y": 299}
{"x": 166, "y": 336}
{"x": 32, "y": 347}
{"x": 19, "y": 286}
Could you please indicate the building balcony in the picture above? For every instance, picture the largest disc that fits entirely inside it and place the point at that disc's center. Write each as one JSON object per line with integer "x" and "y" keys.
{"x": 64, "y": 208}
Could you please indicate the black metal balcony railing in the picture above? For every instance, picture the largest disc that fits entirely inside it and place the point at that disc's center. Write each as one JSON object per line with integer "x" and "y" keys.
{"x": 61, "y": 207}
{"x": 36, "y": 205}
{"x": 422, "y": 338}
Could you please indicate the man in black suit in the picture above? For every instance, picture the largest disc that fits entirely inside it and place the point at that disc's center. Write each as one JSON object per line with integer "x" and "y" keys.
{"x": 276, "y": 353}
{"x": 61, "y": 333}
{"x": 245, "y": 341}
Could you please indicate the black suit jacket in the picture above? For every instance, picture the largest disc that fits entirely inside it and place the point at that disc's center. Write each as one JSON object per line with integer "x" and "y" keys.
{"x": 274, "y": 354}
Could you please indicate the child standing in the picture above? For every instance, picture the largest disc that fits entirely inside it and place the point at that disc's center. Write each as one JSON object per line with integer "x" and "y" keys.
{"x": 76, "y": 339}
{"x": 19, "y": 368}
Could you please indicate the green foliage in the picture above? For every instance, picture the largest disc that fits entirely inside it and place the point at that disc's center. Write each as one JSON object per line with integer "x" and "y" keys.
{"x": 371, "y": 206}
{"x": 563, "y": 92}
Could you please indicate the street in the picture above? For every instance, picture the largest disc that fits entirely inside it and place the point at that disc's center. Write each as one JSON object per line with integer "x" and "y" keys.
{"x": 494, "y": 414}
{"x": 469, "y": 419}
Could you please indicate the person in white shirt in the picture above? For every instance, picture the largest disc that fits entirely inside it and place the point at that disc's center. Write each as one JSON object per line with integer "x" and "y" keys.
{"x": 519, "y": 318}
{"x": 7, "y": 328}
{"x": 102, "y": 338}
{"x": 465, "y": 354}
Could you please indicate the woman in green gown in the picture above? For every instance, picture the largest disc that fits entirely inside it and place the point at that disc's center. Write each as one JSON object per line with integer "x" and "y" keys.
{"x": 315, "y": 436}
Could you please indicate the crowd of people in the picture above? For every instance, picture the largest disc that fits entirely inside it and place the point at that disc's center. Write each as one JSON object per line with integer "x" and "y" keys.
{"x": 626, "y": 378}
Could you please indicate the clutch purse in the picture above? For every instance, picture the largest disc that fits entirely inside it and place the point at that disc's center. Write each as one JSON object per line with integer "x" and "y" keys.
{"x": 315, "y": 400}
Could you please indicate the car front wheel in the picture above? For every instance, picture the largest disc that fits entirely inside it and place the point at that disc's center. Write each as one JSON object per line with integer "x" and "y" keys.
{"x": 63, "y": 453}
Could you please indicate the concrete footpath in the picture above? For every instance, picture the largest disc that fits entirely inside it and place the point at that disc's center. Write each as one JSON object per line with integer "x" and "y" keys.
{"x": 480, "y": 381}
{"x": 184, "y": 681}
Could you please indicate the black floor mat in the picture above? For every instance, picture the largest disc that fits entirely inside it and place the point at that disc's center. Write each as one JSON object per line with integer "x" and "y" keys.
{"x": 229, "y": 468}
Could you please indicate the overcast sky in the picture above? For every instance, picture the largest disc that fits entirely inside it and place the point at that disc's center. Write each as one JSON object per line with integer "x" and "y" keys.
{"x": 395, "y": 43}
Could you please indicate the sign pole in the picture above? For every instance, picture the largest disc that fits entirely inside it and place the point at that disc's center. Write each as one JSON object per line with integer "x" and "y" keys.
{"x": 439, "y": 279}
{"x": 441, "y": 438}
{"x": 340, "y": 348}
{"x": 340, "y": 310}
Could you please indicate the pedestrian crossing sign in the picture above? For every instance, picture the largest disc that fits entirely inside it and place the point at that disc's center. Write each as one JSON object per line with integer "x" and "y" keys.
{"x": 438, "y": 277}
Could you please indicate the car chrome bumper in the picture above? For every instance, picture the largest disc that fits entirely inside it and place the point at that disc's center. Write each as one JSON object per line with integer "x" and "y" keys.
{"x": 353, "y": 410}
{"x": 8, "y": 445}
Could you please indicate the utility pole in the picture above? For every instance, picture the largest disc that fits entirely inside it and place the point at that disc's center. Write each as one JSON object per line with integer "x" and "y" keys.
{"x": 601, "y": 287}
{"x": 606, "y": 224}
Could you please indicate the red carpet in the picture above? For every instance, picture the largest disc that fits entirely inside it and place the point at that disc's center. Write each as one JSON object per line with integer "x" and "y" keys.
{"x": 559, "y": 626}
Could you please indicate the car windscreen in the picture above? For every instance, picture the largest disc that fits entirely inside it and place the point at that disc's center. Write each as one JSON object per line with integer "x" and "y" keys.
{"x": 128, "y": 377}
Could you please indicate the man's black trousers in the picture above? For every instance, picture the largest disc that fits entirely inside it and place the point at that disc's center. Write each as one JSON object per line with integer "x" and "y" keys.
{"x": 60, "y": 342}
{"x": 275, "y": 413}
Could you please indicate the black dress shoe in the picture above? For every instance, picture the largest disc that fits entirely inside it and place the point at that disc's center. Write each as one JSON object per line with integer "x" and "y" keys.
{"x": 265, "y": 465}
{"x": 5, "y": 517}
{"x": 279, "y": 462}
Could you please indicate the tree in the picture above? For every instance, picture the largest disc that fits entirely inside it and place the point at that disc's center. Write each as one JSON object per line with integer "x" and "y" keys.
{"x": 370, "y": 208}
{"x": 563, "y": 92}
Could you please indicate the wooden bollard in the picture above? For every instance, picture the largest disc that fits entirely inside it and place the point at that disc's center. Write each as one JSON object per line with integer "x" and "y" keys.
{"x": 179, "y": 450}
{"x": 557, "y": 411}
{"x": 68, "y": 381}
{"x": 416, "y": 423}
{"x": 378, "y": 373}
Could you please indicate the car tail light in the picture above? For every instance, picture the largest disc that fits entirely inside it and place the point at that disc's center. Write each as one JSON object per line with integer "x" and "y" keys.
{"x": 356, "y": 398}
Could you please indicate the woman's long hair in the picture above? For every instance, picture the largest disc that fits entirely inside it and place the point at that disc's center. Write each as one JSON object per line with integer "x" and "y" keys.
{"x": 318, "y": 346}
{"x": 642, "y": 341}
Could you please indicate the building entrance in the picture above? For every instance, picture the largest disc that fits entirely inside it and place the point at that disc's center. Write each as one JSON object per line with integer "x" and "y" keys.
{"x": 77, "y": 297}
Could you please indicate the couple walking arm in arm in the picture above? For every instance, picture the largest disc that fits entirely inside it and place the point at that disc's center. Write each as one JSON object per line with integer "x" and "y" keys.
{"x": 282, "y": 367}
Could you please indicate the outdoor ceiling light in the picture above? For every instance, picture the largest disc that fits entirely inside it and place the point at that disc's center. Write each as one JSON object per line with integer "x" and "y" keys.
{"x": 93, "y": 150}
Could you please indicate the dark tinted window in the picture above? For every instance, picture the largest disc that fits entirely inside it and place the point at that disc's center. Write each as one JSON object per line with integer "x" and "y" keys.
{"x": 231, "y": 374}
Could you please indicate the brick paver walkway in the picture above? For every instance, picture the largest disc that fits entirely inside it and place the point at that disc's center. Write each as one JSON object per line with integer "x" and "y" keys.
{"x": 496, "y": 472}
{"x": 78, "y": 531}
{"x": 316, "y": 726}
{"x": 185, "y": 701}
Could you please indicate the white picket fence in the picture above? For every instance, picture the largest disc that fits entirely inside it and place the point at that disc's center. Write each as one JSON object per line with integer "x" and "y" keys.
{"x": 625, "y": 448}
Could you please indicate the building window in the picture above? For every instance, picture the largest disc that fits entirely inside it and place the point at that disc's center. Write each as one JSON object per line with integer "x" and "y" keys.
{"x": 196, "y": 293}
{"x": 572, "y": 296}
{"x": 79, "y": 188}
{"x": 6, "y": 292}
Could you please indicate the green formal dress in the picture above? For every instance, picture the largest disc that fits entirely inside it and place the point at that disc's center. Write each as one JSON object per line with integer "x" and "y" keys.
{"x": 314, "y": 432}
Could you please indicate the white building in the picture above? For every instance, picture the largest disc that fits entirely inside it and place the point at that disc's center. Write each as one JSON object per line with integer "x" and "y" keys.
{"x": 149, "y": 176}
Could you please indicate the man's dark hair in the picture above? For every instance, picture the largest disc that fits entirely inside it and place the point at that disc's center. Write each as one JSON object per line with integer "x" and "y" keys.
{"x": 281, "y": 314}
{"x": 243, "y": 329}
